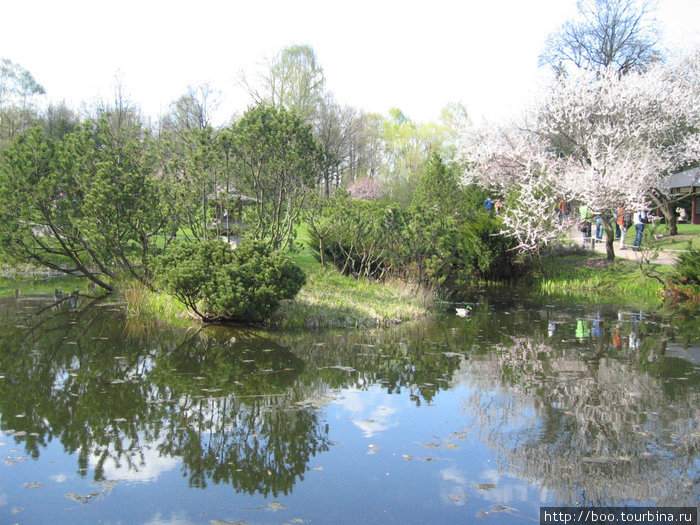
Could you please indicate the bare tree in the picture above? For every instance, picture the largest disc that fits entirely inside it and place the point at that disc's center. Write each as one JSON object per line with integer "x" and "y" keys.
{"x": 194, "y": 109}
{"x": 334, "y": 130}
{"x": 617, "y": 34}
{"x": 292, "y": 80}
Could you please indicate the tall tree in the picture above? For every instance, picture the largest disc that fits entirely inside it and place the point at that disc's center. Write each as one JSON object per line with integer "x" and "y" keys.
{"x": 59, "y": 120}
{"x": 608, "y": 34}
{"x": 278, "y": 161}
{"x": 367, "y": 148}
{"x": 334, "y": 129}
{"x": 189, "y": 144}
{"x": 193, "y": 110}
{"x": 606, "y": 142}
{"x": 294, "y": 80}
{"x": 18, "y": 93}
{"x": 408, "y": 145}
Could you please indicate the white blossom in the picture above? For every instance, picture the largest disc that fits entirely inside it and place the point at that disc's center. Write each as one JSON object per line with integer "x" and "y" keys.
{"x": 604, "y": 141}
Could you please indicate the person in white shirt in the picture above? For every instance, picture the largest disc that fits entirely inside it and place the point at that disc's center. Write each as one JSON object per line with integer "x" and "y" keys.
{"x": 640, "y": 220}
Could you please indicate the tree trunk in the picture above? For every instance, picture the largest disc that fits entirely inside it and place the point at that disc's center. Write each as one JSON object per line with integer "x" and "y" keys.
{"x": 609, "y": 239}
{"x": 670, "y": 215}
{"x": 665, "y": 206}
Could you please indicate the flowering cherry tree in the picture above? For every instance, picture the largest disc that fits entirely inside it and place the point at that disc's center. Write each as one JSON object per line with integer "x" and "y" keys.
{"x": 365, "y": 188}
{"x": 514, "y": 163}
{"x": 604, "y": 141}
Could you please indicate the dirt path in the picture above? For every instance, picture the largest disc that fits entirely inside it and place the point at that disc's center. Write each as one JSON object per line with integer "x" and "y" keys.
{"x": 628, "y": 253}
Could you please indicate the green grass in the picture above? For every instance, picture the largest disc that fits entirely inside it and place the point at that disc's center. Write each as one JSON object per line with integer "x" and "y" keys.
{"x": 593, "y": 277}
{"x": 688, "y": 237}
{"x": 144, "y": 305}
{"x": 332, "y": 300}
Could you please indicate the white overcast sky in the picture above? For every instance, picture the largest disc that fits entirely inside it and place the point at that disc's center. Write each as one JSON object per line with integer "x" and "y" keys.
{"x": 414, "y": 55}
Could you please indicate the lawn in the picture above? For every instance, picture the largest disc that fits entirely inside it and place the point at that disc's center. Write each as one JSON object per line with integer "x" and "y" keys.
{"x": 688, "y": 237}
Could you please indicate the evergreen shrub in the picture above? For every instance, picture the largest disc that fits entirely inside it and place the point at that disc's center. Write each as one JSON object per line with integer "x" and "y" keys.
{"x": 218, "y": 283}
{"x": 421, "y": 243}
{"x": 685, "y": 282}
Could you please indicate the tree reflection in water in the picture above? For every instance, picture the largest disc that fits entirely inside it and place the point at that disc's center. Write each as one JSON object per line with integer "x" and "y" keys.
{"x": 592, "y": 406}
{"x": 596, "y": 421}
{"x": 227, "y": 405}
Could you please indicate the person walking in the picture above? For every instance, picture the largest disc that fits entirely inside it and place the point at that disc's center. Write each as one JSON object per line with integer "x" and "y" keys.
{"x": 624, "y": 221}
{"x": 599, "y": 229}
{"x": 640, "y": 220}
{"x": 585, "y": 225}
{"x": 488, "y": 204}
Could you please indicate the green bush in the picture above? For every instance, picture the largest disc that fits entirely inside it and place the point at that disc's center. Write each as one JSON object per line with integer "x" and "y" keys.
{"x": 685, "y": 283}
{"x": 221, "y": 284}
{"x": 420, "y": 244}
{"x": 471, "y": 250}
{"x": 359, "y": 237}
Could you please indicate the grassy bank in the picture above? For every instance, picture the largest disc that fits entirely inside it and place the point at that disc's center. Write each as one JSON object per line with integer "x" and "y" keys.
{"x": 27, "y": 281}
{"x": 585, "y": 276}
{"x": 332, "y": 300}
{"x": 327, "y": 300}
{"x": 688, "y": 237}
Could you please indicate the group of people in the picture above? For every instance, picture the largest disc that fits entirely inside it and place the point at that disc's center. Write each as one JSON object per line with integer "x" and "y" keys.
{"x": 623, "y": 222}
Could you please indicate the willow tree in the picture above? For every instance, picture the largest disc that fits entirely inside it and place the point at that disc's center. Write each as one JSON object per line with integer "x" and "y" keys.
{"x": 293, "y": 80}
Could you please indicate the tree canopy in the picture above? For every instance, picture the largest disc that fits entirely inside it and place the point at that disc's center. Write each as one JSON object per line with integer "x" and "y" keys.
{"x": 605, "y": 141}
{"x": 618, "y": 35}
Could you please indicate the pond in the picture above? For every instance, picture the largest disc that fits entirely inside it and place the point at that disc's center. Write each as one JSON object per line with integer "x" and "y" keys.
{"x": 525, "y": 403}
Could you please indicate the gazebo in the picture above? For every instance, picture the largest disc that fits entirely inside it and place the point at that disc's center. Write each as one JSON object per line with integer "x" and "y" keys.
{"x": 228, "y": 221}
{"x": 687, "y": 183}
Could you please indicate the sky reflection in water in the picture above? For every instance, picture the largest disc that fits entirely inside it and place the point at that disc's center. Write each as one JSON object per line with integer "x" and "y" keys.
{"x": 520, "y": 405}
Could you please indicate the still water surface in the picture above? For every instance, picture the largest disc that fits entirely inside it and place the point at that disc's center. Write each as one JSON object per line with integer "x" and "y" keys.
{"x": 452, "y": 420}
